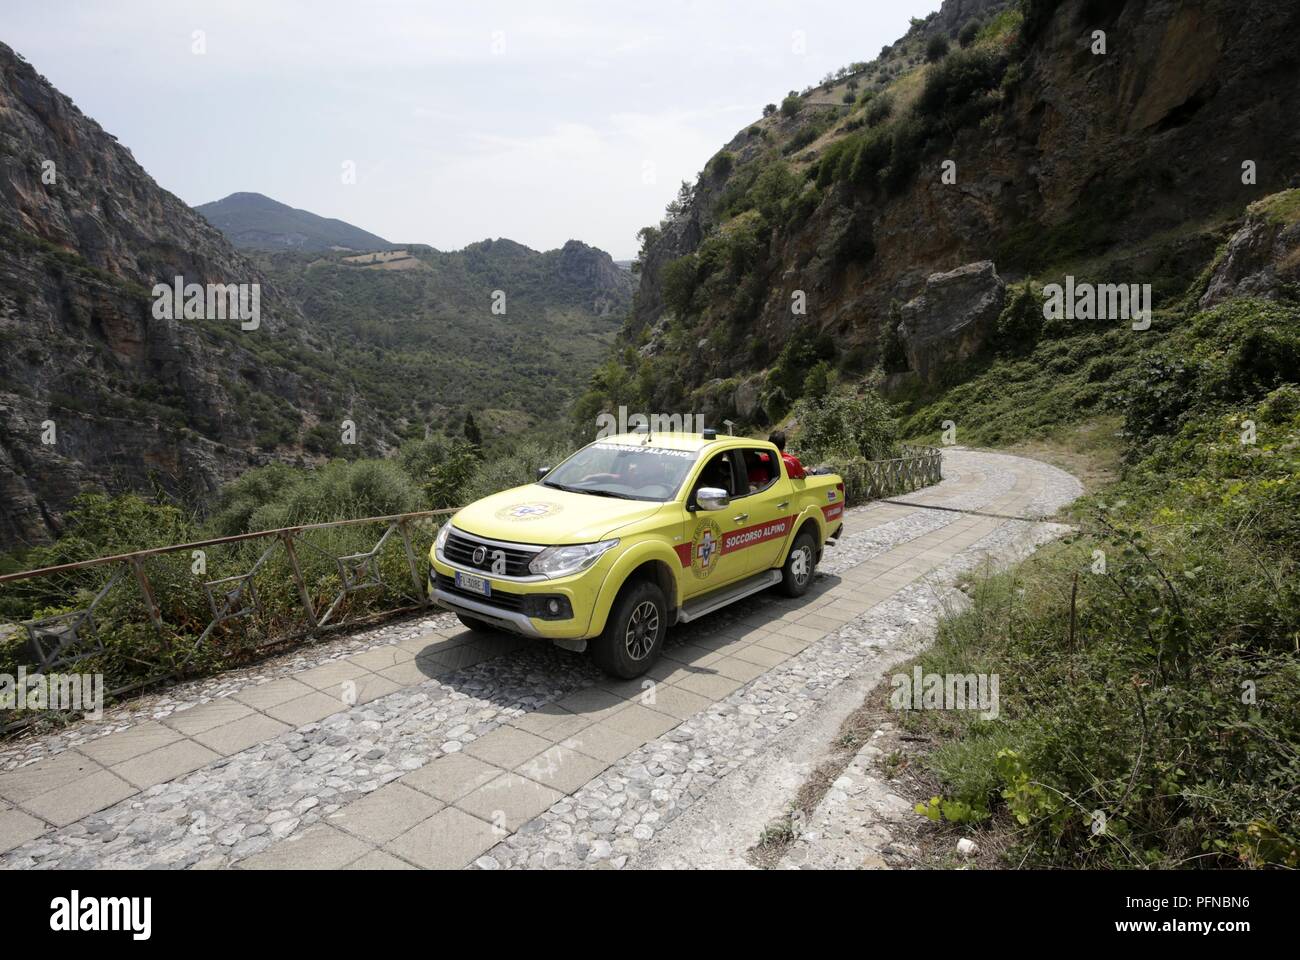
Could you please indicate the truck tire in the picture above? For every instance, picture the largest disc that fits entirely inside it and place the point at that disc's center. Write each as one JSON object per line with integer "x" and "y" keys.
{"x": 800, "y": 565}
{"x": 474, "y": 623}
{"x": 634, "y": 634}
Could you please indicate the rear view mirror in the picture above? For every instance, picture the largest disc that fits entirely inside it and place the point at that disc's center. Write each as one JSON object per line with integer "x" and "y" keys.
{"x": 542, "y": 472}
{"x": 712, "y": 498}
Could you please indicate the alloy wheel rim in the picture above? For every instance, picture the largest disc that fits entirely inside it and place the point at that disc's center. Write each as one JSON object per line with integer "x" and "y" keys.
{"x": 800, "y": 564}
{"x": 642, "y": 630}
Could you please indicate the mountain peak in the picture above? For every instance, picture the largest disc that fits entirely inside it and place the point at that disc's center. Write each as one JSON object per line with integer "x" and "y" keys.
{"x": 254, "y": 221}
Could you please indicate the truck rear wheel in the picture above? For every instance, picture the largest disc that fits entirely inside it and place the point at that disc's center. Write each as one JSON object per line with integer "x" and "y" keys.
{"x": 800, "y": 565}
{"x": 634, "y": 633}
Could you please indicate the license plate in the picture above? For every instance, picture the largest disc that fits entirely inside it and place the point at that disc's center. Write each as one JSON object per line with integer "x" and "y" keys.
{"x": 473, "y": 584}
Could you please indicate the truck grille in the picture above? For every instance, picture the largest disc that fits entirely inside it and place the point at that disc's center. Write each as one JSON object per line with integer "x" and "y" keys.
{"x": 506, "y": 601}
{"x": 460, "y": 549}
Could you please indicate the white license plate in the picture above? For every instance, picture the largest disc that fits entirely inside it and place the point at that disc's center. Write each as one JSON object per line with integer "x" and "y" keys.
{"x": 473, "y": 584}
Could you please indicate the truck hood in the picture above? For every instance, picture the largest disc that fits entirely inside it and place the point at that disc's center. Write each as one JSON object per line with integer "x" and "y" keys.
{"x": 546, "y": 516}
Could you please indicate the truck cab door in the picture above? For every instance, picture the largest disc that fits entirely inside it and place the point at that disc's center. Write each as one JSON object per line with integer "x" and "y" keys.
{"x": 706, "y": 564}
{"x": 764, "y": 512}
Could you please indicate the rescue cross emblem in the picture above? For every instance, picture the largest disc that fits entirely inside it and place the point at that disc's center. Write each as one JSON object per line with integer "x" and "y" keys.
{"x": 706, "y": 546}
{"x": 533, "y": 510}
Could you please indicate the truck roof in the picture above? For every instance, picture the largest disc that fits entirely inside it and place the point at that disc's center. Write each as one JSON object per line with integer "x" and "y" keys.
{"x": 678, "y": 441}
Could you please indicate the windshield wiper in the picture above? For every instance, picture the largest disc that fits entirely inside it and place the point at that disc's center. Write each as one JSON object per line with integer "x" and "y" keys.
{"x": 595, "y": 493}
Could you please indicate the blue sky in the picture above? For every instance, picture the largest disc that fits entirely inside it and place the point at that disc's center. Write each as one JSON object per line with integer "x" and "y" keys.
{"x": 534, "y": 121}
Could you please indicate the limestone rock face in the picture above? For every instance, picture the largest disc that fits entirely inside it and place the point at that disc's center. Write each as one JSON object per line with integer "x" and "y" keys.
{"x": 96, "y": 392}
{"x": 1263, "y": 257}
{"x": 1134, "y": 157}
{"x": 951, "y": 319}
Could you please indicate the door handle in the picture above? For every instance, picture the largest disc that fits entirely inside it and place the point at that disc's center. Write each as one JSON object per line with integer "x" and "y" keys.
{"x": 783, "y": 504}
{"x": 740, "y": 517}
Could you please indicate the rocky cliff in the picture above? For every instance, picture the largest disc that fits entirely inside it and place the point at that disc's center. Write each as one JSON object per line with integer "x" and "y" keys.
{"x": 96, "y": 392}
{"x": 1120, "y": 139}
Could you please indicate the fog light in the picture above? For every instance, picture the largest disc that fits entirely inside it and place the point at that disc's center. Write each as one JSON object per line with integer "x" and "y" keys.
{"x": 552, "y": 607}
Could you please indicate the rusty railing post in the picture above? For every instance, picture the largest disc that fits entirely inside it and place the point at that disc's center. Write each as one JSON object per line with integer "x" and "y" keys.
{"x": 146, "y": 591}
{"x": 287, "y": 539}
{"x": 410, "y": 562}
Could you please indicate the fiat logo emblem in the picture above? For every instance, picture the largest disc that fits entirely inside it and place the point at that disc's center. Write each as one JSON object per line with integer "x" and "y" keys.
{"x": 479, "y": 555}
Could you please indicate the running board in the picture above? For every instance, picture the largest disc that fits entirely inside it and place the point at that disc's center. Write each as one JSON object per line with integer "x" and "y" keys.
{"x": 694, "y": 609}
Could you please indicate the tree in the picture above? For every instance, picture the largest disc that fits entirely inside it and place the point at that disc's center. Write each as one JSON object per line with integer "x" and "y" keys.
{"x": 769, "y": 109}
{"x": 471, "y": 430}
{"x": 936, "y": 48}
{"x": 791, "y": 106}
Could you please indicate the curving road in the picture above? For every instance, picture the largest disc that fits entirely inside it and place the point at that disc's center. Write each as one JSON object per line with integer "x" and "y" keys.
{"x": 424, "y": 745}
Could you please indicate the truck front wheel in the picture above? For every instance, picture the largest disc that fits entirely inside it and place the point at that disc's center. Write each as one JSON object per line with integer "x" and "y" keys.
{"x": 634, "y": 633}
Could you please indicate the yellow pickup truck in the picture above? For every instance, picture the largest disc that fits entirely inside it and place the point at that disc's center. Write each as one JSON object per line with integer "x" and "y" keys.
{"x": 630, "y": 535}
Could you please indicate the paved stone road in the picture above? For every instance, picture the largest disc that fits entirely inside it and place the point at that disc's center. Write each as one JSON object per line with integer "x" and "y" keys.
{"x": 425, "y": 745}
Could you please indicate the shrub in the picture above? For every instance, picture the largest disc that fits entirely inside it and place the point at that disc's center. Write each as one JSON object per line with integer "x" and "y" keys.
{"x": 801, "y": 352}
{"x": 721, "y": 164}
{"x": 959, "y": 90}
{"x": 969, "y": 31}
{"x": 677, "y": 281}
{"x": 846, "y": 427}
{"x": 769, "y": 109}
{"x": 818, "y": 382}
{"x": 879, "y": 109}
{"x": 791, "y": 106}
{"x": 936, "y": 48}
{"x": 275, "y": 496}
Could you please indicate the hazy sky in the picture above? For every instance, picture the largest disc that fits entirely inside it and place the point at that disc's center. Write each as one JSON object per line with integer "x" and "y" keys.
{"x": 535, "y": 121}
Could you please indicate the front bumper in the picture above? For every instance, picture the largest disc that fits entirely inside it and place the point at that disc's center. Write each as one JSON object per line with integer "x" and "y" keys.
{"x": 580, "y": 590}
{"x": 505, "y": 619}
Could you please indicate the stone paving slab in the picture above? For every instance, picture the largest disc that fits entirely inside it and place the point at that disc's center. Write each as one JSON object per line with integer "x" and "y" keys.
{"x": 69, "y": 803}
{"x": 383, "y": 815}
{"x": 449, "y": 839}
{"x": 130, "y": 743}
{"x": 16, "y": 828}
{"x": 165, "y": 763}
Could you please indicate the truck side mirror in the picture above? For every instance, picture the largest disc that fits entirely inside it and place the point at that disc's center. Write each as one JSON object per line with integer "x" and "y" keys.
{"x": 542, "y": 472}
{"x": 712, "y": 498}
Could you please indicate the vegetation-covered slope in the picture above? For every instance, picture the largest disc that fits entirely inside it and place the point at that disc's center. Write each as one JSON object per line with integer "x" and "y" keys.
{"x": 990, "y": 131}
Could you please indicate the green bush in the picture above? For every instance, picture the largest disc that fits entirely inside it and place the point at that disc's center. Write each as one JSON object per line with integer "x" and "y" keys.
{"x": 278, "y": 496}
{"x": 936, "y": 48}
{"x": 801, "y": 352}
{"x": 962, "y": 88}
{"x": 839, "y": 426}
{"x": 791, "y": 106}
{"x": 1234, "y": 353}
{"x": 677, "y": 282}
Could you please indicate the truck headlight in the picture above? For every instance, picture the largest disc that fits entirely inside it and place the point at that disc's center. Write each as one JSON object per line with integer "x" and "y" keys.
{"x": 443, "y": 533}
{"x": 561, "y": 561}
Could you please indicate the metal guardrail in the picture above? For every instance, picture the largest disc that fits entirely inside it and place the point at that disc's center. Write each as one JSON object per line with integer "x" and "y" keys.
{"x": 875, "y": 479}
{"x": 151, "y": 615}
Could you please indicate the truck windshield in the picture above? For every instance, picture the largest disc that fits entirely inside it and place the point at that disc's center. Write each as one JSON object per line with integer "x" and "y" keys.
{"x": 632, "y": 472}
